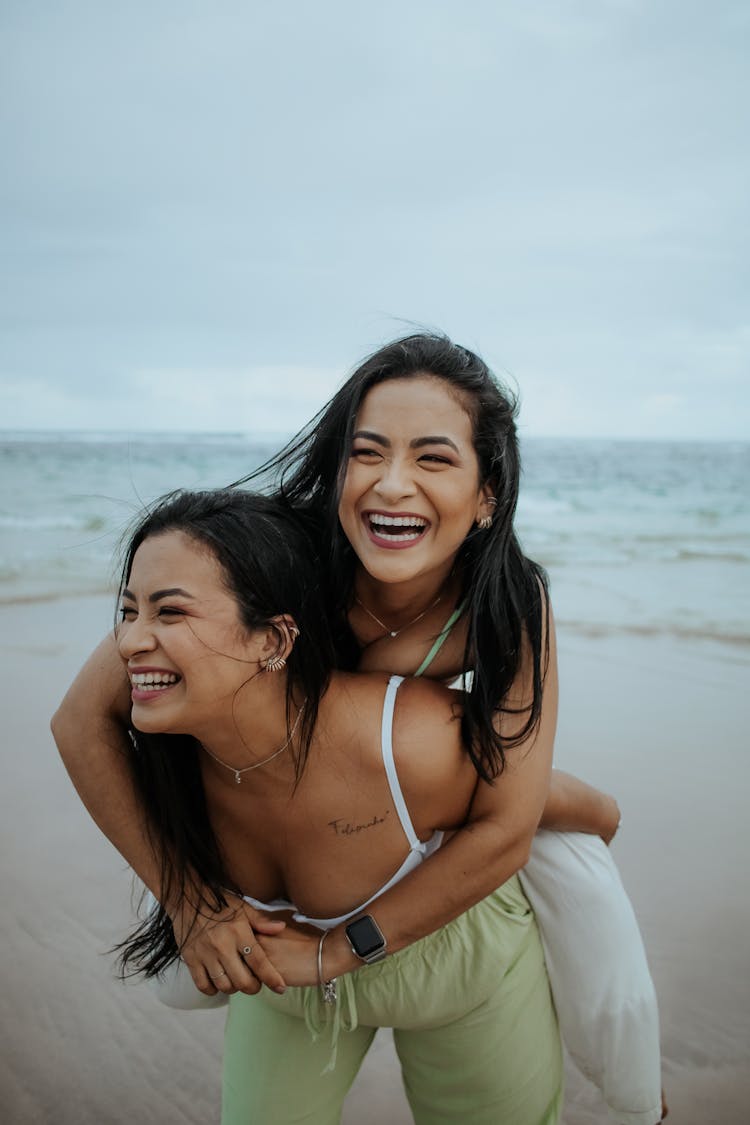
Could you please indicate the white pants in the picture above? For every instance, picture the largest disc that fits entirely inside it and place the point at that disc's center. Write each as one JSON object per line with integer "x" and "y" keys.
{"x": 601, "y": 984}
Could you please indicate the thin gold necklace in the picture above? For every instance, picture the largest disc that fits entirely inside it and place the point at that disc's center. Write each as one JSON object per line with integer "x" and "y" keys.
{"x": 264, "y": 762}
{"x": 395, "y": 632}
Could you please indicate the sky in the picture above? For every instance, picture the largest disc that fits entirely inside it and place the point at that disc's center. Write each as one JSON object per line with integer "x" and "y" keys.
{"x": 210, "y": 213}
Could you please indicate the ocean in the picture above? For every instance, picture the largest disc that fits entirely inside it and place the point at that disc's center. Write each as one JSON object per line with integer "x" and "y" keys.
{"x": 640, "y": 537}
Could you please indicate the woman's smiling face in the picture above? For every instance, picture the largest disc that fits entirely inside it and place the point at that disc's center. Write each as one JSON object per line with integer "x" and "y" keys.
{"x": 412, "y": 491}
{"x": 187, "y": 653}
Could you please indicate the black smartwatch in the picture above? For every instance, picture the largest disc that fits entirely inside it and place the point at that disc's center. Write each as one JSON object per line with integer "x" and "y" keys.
{"x": 366, "y": 939}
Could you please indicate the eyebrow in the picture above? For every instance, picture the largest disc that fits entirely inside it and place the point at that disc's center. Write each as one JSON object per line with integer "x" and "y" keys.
{"x": 159, "y": 594}
{"x": 417, "y": 443}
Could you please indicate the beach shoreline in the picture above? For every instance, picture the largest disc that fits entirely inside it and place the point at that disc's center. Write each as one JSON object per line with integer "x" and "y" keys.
{"x": 658, "y": 721}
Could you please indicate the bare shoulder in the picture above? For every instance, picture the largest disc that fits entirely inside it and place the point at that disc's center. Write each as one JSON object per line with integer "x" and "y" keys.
{"x": 436, "y": 773}
{"x": 427, "y": 710}
{"x": 351, "y": 709}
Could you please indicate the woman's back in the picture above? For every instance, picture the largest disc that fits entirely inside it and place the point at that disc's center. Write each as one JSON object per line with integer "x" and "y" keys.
{"x": 337, "y": 839}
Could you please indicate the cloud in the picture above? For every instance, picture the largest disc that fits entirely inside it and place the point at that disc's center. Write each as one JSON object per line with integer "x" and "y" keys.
{"x": 250, "y": 197}
{"x": 267, "y": 399}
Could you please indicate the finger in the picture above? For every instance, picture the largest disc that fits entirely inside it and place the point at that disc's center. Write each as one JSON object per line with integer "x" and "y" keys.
{"x": 209, "y": 975}
{"x": 201, "y": 979}
{"x": 225, "y": 982}
{"x": 230, "y": 972}
{"x": 254, "y": 987}
{"x": 264, "y": 970}
{"x": 238, "y": 978}
{"x": 259, "y": 921}
{"x": 268, "y": 926}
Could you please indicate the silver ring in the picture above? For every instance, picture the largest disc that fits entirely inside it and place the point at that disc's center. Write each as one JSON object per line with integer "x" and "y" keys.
{"x": 247, "y": 950}
{"x": 223, "y": 973}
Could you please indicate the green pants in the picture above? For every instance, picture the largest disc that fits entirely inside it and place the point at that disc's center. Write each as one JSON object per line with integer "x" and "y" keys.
{"x": 473, "y": 1021}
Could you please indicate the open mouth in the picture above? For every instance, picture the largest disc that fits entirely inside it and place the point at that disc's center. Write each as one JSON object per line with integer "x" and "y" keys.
{"x": 394, "y": 530}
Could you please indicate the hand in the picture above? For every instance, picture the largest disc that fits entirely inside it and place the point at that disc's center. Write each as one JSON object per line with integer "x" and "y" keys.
{"x": 294, "y": 952}
{"x": 610, "y": 818}
{"x": 212, "y": 944}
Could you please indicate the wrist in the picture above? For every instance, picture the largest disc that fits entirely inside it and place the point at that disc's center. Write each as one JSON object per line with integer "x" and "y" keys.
{"x": 366, "y": 939}
{"x": 338, "y": 958}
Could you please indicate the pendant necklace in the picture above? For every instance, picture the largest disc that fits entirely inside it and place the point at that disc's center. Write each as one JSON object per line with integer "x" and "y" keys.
{"x": 264, "y": 761}
{"x": 395, "y": 632}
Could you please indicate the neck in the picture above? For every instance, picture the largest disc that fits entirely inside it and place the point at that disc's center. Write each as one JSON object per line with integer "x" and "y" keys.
{"x": 253, "y": 725}
{"x": 396, "y": 602}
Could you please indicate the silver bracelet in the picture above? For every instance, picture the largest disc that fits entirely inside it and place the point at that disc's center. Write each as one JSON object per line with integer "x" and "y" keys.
{"x": 327, "y": 987}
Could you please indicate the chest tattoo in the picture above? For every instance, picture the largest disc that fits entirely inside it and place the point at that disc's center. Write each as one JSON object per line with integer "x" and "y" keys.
{"x": 343, "y": 827}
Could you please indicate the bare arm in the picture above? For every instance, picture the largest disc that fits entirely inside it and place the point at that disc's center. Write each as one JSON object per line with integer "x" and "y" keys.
{"x": 493, "y": 845}
{"x": 90, "y": 729}
{"x": 574, "y": 806}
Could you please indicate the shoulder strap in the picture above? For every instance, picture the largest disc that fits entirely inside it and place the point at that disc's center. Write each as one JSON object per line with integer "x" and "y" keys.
{"x": 386, "y": 744}
{"x": 439, "y": 641}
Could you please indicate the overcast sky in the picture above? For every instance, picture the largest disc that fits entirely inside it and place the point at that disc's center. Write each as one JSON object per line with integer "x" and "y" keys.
{"x": 211, "y": 211}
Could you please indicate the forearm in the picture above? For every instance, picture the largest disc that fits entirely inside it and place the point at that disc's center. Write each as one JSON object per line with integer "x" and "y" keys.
{"x": 89, "y": 729}
{"x": 574, "y": 806}
{"x": 475, "y": 861}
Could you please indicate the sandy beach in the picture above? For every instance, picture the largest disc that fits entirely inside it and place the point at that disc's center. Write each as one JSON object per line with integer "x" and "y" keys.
{"x": 659, "y": 722}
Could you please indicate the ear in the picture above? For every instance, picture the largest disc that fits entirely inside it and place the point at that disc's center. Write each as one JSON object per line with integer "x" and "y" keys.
{"x": 486, "y": 503}
{"x": 281, "y": 633}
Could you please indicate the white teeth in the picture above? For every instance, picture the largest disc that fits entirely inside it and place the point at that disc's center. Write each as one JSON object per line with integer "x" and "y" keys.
{"x": 404, "y": 538}
{"x": 378, "y": 520}
{"x": 153, "y": 679}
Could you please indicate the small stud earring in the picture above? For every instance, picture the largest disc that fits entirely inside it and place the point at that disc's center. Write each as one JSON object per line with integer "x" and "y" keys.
{"x": 275, "y": 664}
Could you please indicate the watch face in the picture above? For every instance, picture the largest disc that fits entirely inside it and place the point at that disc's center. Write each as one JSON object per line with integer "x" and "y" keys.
{"x": 365, "y": 936}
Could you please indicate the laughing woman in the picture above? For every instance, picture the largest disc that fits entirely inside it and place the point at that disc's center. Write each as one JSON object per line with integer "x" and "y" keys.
{"x": 264, "y": 773}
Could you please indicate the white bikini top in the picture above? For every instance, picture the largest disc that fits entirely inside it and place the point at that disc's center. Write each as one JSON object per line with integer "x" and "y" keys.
{"x": 418, "y": 851}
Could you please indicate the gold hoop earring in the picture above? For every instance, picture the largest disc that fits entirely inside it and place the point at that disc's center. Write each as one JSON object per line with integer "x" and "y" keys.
{"x": 275, "y": 664}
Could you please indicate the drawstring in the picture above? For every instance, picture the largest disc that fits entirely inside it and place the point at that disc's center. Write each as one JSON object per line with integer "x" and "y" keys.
{"x": 341, "y": 1016}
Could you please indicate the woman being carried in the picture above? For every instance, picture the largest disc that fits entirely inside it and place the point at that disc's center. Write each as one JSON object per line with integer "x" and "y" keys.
{"x": 261, "y": 771}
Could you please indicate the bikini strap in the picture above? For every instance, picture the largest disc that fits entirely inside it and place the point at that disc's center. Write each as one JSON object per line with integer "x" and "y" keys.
{"x": 386, "y": 744}
{"x": 440, "y": 640}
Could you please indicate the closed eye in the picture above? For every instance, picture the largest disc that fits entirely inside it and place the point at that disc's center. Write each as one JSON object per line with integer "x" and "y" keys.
{"x": 129, "y": 613}
{"x": 434, "y": 458}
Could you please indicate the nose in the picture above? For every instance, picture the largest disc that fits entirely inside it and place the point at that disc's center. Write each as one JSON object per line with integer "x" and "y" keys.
{"x": 395, "y": 481}
{"x": 135, "y": 636}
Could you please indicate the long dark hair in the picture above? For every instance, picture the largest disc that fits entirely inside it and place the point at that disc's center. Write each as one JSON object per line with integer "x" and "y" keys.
{"x": 269, "y": 564}
{"x": 504, "y": 593}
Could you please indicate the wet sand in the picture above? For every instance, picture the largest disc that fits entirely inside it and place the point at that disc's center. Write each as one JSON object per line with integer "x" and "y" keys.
{"x": 660, "y": 723}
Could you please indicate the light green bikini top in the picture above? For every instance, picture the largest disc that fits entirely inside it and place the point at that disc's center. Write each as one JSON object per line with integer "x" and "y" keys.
{"x": 440, "y": 640}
